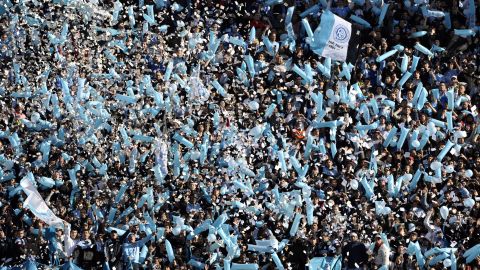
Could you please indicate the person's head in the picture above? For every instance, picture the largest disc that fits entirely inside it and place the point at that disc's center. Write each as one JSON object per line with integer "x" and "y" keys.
{"x": 132, "y": 238}
{"x": 73, "y": 234}
{"x": 462, "y": 88}
{"x": 114, "y": 235}
{"x": 443, "y": 87}
{"x": 409, "y": 95}
{"x": 261, "y": 57}
{"x": 58, "y": 232}
{"x": 378, "y": 240}
{"x": 86, "y": 234}
{"x": 134, "y": 228}
{"x": 454, "y": 80}
{"x": 329, "y": 163}
{"x": 354, "y": 236}
{"x": 273, "y": 36}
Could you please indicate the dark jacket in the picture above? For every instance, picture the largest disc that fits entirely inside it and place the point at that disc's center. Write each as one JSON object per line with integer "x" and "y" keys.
{"x": 356, "y": 253}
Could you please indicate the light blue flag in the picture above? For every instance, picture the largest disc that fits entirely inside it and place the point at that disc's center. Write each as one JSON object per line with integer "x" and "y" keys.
{"x": 151, "y": 13}
{"x": 464, "y": 32}
{"x": 424, "y": 140}
{"x": 328, "y": 66}
{"x": 309, "y": 210}
{"x": 46, "y": 182}
{"x": 237, "y": 41}
{"x": 386, "y": 55}
{"x": 220, "y": 221}
{"x": 288, "y": 17}
{"x": 66, "y": 91}
{"x": 445, "y": 150}
{"x": 404, "y": 65}
{"x": 321, "y": 147}
{"x": 391, "y": 185}
{"x": 383, "y": 12}
{"x": 317, "y": 263}
{"x": 336, "y": 263}
{"x": 311, "y": 10}
{"x": 170, "y": 253}
{"x": 307, "y": 28}
{"x": 418, "y": 90}
{"x": 404, "y": 79}
{"x": 98, "y": 213}
{"x": 300, "y": 72}
{"x": 252, "y": 35}
{"x": 45, "y": 149}
{"x": 168, "y": 72}
{"x": 333, "y": 148}
{"x": 449, "y": 120}
{"x": 403, "y": 135}
{"x": 243, "y": 187}
{"x": 111, "y": 214}
{"x": 272, "y": 2}
{"x": 472, "y": 253}
{"x": 117, "y": 7}
{"x": 374, "y": 105}
{"x": 367, "y": 187}
{"x": 471, "y": 13}
{"x": 360, "y": 21}
{"x": 423, "y": 50}
{"x": 438, "y": 123}
{"x": 447, "y": 21}
{"x": 196, "y": 264}
{"x": 131, "y": 17}
{"x": 442, "y": 256}
{"x": 277, "y": 261}
{"x": 261, "y": 249}
{"x": 296, "y": 223}
{"x": 249, "y": 266}
{"x": 453, "y": 260}
{"x": 270, "y": 110}
{"x": 309, "y": 73}
{"x": 125, "y": 99}
{"x": 345, "y": 73}
{"x": 281, "y": 158}
{"x": 182, "y": 140}
{"x": 432, "y": 13}
{"x": 418, "y": 34}
{"x": 451, "y": 98}
{"x": 250, "y": 65}
{"x": 176, "y": 160}
{"x": 30, "y": 264}
{"x": 308, "y": 147}
{"x": 221, "y": 91}
{"x": 125, "y": 213}
{"x": 391, "y": 134}
{"x": 63, "y": 35}
{"x": 120, "y": 193}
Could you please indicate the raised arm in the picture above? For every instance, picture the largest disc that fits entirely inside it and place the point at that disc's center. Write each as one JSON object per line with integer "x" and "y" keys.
{"x": 143, "y": 241}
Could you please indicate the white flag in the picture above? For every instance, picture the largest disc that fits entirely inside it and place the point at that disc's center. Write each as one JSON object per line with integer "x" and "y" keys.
{"x": 333, "y": 38}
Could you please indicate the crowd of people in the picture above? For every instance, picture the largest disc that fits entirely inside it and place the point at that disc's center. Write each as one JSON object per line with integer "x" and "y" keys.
{"x": 180, "y": 135}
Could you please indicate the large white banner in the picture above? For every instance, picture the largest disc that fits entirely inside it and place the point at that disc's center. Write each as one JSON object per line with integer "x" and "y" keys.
{"x": 36, "y": 204}
{"x": 332, "y": 39}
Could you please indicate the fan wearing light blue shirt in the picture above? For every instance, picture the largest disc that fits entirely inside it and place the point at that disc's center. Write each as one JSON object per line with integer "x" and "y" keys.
{"x": 131, "y": 251}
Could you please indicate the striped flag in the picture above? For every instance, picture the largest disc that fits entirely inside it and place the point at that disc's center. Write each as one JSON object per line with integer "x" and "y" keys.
{"x": 336, "y": 38}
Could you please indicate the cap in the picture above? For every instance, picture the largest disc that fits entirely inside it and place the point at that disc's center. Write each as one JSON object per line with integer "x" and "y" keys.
{"x": 411, "y": 227}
